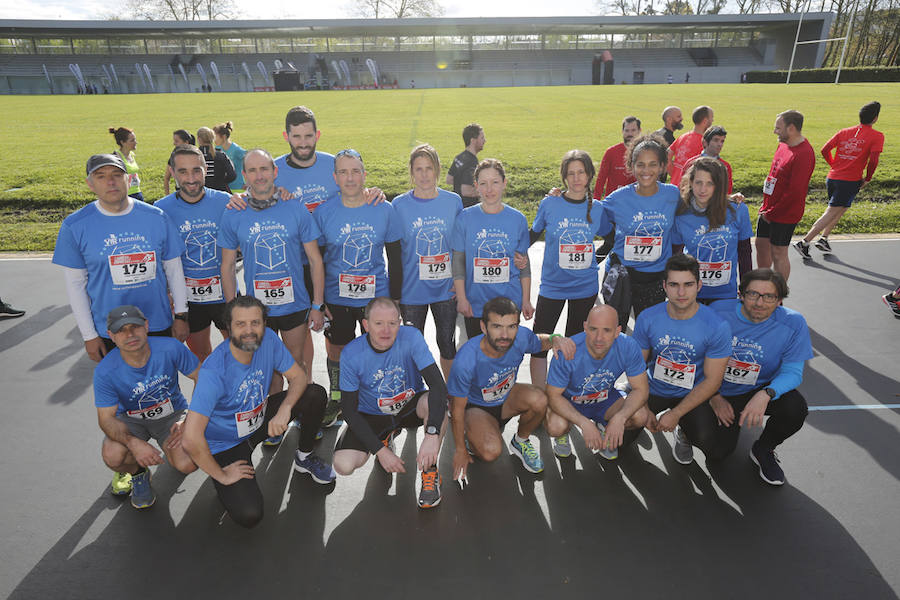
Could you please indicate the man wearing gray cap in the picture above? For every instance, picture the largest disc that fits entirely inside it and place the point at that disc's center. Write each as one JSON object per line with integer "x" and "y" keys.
{"x": 137, "y": 396}
{"x": 117, "y": 251}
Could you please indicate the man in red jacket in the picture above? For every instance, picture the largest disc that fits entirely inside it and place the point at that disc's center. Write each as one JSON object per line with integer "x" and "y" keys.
{"x": 855, "y": 148}
{"x": 689, "y": 144}
{"x": 784, "y": 193}
{"x": 612, "y": 174}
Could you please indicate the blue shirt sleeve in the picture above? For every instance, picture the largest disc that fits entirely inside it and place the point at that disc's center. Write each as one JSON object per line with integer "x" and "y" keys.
{"x": 633, "y": 359}
{"x": 458, "y": 236}
{"x": 461, "y": 373}
{"x": 104, "y": 392}
{"x": 227, "y": 236}
{"x": 540, "y": 221}
{"x": 601, "y": 217}
{"x": 349, "y": 375}
{"x": 207, "y": 392}
{"x": 421, "y": 353}
{"x": 523, "y": 243}
{"x": 558, "y": 373}
{"x": 66, "y": 252}
{"x": 641, "y": 335}
{"x": 186, "y": 360}
{"x": 745, "y": 229}
{"x": 720, "y": 342}
{"x": 789, "y": 376}
{"x": 395, "y": 225}
{"x": 309, "y": 228}
{"x": 174, "y": 247}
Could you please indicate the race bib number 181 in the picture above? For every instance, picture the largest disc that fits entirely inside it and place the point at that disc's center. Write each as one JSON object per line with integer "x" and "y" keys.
{"x": 575, "y": 256}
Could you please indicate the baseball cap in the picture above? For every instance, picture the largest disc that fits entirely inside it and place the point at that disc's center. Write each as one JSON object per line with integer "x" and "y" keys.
{"x": 102, "y": 160}
{"x": 121, "y": 316}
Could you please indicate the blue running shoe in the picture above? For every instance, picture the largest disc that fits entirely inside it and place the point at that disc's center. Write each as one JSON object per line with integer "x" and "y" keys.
{"x": 531, "y": 460}
{"x": 275, "y": 440}
{"x": 142, "y": 495}
{"x": 320, "y": 471}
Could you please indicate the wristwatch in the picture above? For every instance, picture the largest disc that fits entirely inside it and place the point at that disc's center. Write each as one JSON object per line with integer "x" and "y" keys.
{"x": 431, "y": 430}
{"x": 770, "y": 392}
{"x": 181, "y": 316}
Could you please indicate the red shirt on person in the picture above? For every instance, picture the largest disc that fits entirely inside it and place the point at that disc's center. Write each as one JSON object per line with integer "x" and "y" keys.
{"x": 687, "y": 146}
{"x": 784, "y": 192}
{"x": 612, "y": 174}
{"x": 853, "y": 147}
{"x": 720, "y": 159}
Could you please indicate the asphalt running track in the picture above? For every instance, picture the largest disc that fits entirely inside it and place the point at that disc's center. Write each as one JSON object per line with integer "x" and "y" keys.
{"x": 642, "y": 527}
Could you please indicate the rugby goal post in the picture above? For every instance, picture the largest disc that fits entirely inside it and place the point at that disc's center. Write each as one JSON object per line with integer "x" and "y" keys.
{"x": 845, "y": 39}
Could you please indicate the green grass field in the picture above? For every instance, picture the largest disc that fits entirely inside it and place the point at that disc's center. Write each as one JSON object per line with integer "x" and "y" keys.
{"x": 528, "y": 128}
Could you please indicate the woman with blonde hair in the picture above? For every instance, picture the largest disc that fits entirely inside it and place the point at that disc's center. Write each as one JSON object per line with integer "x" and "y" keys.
{"x": 219, "y": 170}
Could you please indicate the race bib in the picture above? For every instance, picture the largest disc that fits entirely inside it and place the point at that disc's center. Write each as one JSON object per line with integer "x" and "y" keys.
{"x": 393, "y": 405}
{"x": 133, "y": 180}
{"x": 491, "y": 270}
{"x": 204, "y": 290}
{"x": 769, "y": 185}
{"x": 274, "y": 292}
{"x": 741, "y": 373}
{"x": 677, "y": 374}
{"x": 643, "y": 248}
{"x": 357, "y": 286}
{"x": 592, "y": 398}
{"x": 497, "y": 393}
{"x": 134, "y": 268}
{"x": 157, "y": 411}
{"x": 249, "y": 421}
{"x": 575, "y": 256}
{"x": 432, "y": 268}
{"x": 715, "y": 274}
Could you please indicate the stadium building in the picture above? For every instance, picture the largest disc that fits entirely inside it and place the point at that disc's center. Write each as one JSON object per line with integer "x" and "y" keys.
{"x": 68, "y": 57}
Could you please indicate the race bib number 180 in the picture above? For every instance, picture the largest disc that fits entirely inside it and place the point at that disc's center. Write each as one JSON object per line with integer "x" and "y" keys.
{"x": 491, "y": 270}
{"x": 133, "y": 268}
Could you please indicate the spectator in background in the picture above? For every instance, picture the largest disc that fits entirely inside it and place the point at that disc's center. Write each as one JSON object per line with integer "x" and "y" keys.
{"x": 219, "y": 170}
{"x": 127, "y": 142}
{"x": 713, "y": 141}
{"x": 179, "y": 137}
{"x": 689, "y": 144}
{"x": 234, "y": 152}
{"x": 462, "y": 172}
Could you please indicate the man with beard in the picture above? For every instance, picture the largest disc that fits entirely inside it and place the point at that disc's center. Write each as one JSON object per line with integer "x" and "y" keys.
{"x": 484, "y": 394}
{"x": 230, "y": 411}
{"x": 671, "y": 118}
{"x": 197, "y": 211}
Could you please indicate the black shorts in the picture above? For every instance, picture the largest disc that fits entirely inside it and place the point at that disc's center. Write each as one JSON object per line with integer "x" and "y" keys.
{"x": 342, "y": 328}
{"x": 842, "y": 193}
{"x": 382, "y": 425}
{"x": 288, "y": 322}
{"x": 201, "y": 314}
{"x": 494, "y": 411}
{"x": 110, "y": 345}
{"x": 779, "y": 234}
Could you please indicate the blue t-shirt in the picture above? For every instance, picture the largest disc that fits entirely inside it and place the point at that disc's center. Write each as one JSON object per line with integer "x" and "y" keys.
{"x": 233, "y": 395}
{"x": 643, "y": 225}
{"x": 490, "y": 243}
{"x": 679, "y": 346}
{"x": 427, "y": 226}
{"x": 236, "y": 155}
{"x": 759, "y": 349}
{"x": 487, "y": 381}
{"x": 589, "y": 383}
{"x": 387, "y": 380}
{"x": 354, "y": 240}
{"x": 716, "y": 249}
{"x": 123, "y": 256}
{"x": 313, "y": 185}
{"x": 148, "y": 392}
{"x": 198, "y": 225}
{"x": 272, "y": 243}
{"x": 569, "y": 265}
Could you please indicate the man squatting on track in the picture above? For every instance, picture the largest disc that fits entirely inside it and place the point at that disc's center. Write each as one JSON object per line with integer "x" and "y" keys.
{"x": 382, "y": 392}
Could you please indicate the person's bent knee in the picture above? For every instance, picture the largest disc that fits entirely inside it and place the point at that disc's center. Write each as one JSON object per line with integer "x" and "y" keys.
{"x": 535, "y": 398}
{"x": 345, "y": 463}
{"x": 556, "y": 425}
{"x": 247, "y": 516}
{"x": 489, "y": 449}
{"x": 114, "y": 454}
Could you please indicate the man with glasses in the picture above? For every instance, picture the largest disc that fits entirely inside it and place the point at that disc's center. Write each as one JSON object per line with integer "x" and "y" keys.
{"x": 770, "y": 344}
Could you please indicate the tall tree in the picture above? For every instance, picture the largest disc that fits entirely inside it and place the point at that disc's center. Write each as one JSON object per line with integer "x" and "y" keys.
{"x": 182, "y": 10}
{"x": 396, "y": 9}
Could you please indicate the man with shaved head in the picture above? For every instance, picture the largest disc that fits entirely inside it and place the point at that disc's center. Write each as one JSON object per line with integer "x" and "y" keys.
{"x": 582, "y": 392}
{"x": 672, "y": 122}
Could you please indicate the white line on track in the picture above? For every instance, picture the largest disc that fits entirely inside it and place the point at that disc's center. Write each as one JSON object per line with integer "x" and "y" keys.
{"x": 855, "y": 407}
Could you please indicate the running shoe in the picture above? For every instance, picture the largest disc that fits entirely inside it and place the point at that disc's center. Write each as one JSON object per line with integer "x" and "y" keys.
{"x": 682, "y": 451}
{"x": 892, "y": 304}
{"x": 531, "y": 460}
{"x": 275, "y": 440}
{"x": 142, "y": 495}
{"x": 606, "y": 453}
{"x": 823, "y": 245}
{"x": 430, "y": 488}
{"x": 562, "y": 447}
{"x": 767, "y": 461}
{"x": 8, "y": 312}
{"x": 803, "y": 248}
{"x": 121, "y": 484}
{"x": 320, "y": 471}
{"x": 332, "y": 412}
